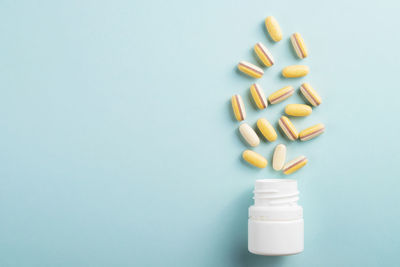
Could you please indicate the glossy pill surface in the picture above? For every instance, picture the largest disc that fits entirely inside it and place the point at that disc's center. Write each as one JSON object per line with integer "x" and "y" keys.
{"x": 258, "y": 96}
{"x": 295, "y": 71}
{"x": 255, "y": 159}
{"x": 250, "y": 69}
{"x": 312, "y": 132}
{"x": 295, "y": 165}
{"x": 238, "y": 107}
{"x": 267, "y": 129}
{"x": 249, "y": 134}
{"x": 278, "y": 160}
{"x": 264, "y": 55}
{"x": 281, "y": 94}
{"x": 288, "y": 128}
{"x": 310, "y": 94}
{"x": 298, "y": 110}
{"x": 273, "y": 28}
{"x": 298, "y": 45}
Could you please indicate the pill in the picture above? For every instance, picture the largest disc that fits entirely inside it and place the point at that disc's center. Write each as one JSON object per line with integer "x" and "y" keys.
{"x": 299, "y": 45}
{"x": 298, "y": 110}
{"x": 250, "y": 69}
{"x": 310, "y": 94}
{"x": 264, "y": 55}
{"x": 312, "y": 132}
{"x": 255, "y": 159}
{"x": 273, "y": 28}
{"x": 249, "y": 134}
{"x": 258, "y": 96}
{"x": 288, "y": 128}
{"x": 267, "y": 129}
{"x": 278, "y": 160}
{"x": 281, "y": 94}
{"x": 238, "y": 107}
{"x": 295, "y": 71}
{"x": 295, "y": 165}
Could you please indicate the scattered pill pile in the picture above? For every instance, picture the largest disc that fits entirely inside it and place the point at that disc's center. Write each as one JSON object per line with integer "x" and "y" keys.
{"x": 261, "y": 101}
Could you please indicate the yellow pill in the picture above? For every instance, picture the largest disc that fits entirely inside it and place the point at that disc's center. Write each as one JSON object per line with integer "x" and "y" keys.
{"x": 298, "y": 110}
{"x": 258, "y": 96}
{"x": 264, "y": 55}
{"x": 310, "y": 94}
{"x": 267, "y": 129}
{"x": 250, "y": 69}
{"x": 238, "y": 107}
{"x": 281, "y": 94}
{"x": 288, "y": 128}
{"x": 273, "y": 28}
{"x": 295, "y": 71}
{"x": 312, "y": 132}
{"x": 295, "y": 165}
{"x": 255, "y": 159}
{"x": 299, "y": 45}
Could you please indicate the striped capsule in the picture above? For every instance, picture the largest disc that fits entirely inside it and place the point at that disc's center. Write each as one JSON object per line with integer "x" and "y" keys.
{"x": 288, "y": 128}
{"x": 273, "y": 28}
{"x": 267, "y": 129}
{"x": 264, "y": 55}
{"x": 278, "y": 160}
{"x": 238, "y": 107}
{"x": 310, "y": 94}
{"x": 250, "y": 69}
{"x": 249, "y": 134}
{"x": 295, "y": 71}
{"x": 298, "y": 110}
{"x": 295, "y": 165}
{"x": 258, "y": 96}
{"x": 312, "y": 132}
{"x": 255, "y": 159}
{"x": 281, "y": 94}
{"x": 299, "y": 45}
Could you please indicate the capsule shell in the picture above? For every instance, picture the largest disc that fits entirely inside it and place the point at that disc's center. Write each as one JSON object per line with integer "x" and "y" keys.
{"x": 288, "y": 128}
{"x": 264, "y": 55}
{"x": 258, "y": 96}
{"x": 295, "y": 165}
{"x": 249, "y": 135}
{"x": 250, "y": 69}
{"x": 238, "y": 107}
{"x": 278, "y": 160}
{"x": 255, "y": 159}
{"x": 298, "y": 110}
{"x": 281, "y": 94}
{"x": 273, "y": 28}
{"x": 267, "y": 129}
{"x": 295, "y": 71}
{"x": 312, "y": 132}
{"x": 310, "y": 94}
{"x": 298, "y": 45}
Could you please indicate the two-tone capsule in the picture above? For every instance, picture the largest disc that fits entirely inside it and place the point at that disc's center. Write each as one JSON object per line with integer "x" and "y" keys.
{"x": 238, "y": 107}
{"x": 273, "y": 28}
{"x": 258, "y": 96}
{"x": 249, "y": 134}
{"x": 281, "y": 94}
{"x": 288, "y": 128}
{"x": 250, "y": 69}
{"x": 310, "y": 94}
{"x": 299, "y": 45}
{"x": 295, "y": 165}
{"x": 312, "y": 132}
{"x": 254, "y": 159}
{"x": 295, "y": 71}
{"x": 267, "y": 129}
{"x": 278, "y": 160}
{"x": 264, "y": 55}
{"x": 298, "y": 110}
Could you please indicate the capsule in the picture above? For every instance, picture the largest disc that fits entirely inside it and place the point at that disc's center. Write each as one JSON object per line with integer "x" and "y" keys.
{"x": 273, "y": 28}
{"x": 264, "y": 55}
{"x": 310, "y": 94}
{"x": 288, "y": 128}
{"x": 312, "y": 132}
{"x": 238, "y": 107}
{"x": 250, "y": 69}
{"x": 278, "y": 160}
{"x": 267, "y": 129}
{"x": 298, "y": 45}
{"x": 255, "y": 159}
{"x": 295, "y": 165}
{"x": 298, "y": 110}
{"x": 258, "y": 96}
{"x": 281, "y": 94}
{"x": 295, "y": 71}
{"x": 249, "y": 134}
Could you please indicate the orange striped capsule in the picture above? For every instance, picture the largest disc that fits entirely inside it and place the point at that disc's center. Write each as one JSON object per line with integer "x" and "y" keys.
{"x": 281, "y": 94}
{"x": 258, "y": 96}
{"x": 264, "y": 55}
{"x": 288, "y": 128}
{"x": 250, "y": 69}
{"x": 238, "y": 107}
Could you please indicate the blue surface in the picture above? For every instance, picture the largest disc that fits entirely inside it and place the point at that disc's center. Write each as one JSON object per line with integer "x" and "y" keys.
{"x": 119, "y": 148}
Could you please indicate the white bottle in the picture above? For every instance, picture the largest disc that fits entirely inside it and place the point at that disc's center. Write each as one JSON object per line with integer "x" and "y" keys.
{"x": 276, "y": 225}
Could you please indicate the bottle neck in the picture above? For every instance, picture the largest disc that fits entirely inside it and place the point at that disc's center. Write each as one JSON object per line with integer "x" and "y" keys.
{"x": 276, "y": 193}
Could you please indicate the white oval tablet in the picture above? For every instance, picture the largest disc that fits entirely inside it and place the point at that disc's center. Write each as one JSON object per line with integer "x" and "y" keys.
{"x": 279, "y": 157}
{"x": 249, "y": 134}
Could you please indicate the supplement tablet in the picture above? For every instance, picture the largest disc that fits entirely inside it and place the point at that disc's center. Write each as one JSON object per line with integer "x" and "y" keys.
{"x": 298, "y": 110}
{"x": 238, "y": 107}
{"x": 255, "y": 159}
{"x": 312, "y": 132}
{"x": 310, "y": 94}
{"x": 250, "y": 69}
{"x": 281, "y": 94}
{"x": 299, "y": 45}
{"x": 295, "y": 165}
{"x": 278, "y": 160}
{"x": 273, "y": 28}
{"x": 264, "y": 55}
{"x": 267, "y": 130}
{"x": 288, "y": 128}
{"x": 295, "y": 71}
{"x": 249, "y": 134}
{"x": 258, "y": 96}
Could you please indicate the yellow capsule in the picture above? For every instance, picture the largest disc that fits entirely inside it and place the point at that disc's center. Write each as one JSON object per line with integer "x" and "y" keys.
{"x": 255, "y": 159}
{"x": 250, "y": 69}
{"x": 281, "y": 94}
{"x": 299, "y": 45}
{"x": 258, "y": 96}
{"x": 312, "y": 132}
{"x": 295, "y": 165}
{"x": 238, "y": 107}
{"x": 295, "y": 71}
{"x": 298, "y": 110}
{"x": 310, "y": 94}
{"x": 288, "y": 128}
{"x": 264, "y": 55}
{"x": 267, "y": 129}
{"x": 273, "y": 28}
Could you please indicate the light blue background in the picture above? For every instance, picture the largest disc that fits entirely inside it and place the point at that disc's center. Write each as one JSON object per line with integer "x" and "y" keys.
{"x": 118, "y": 146}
